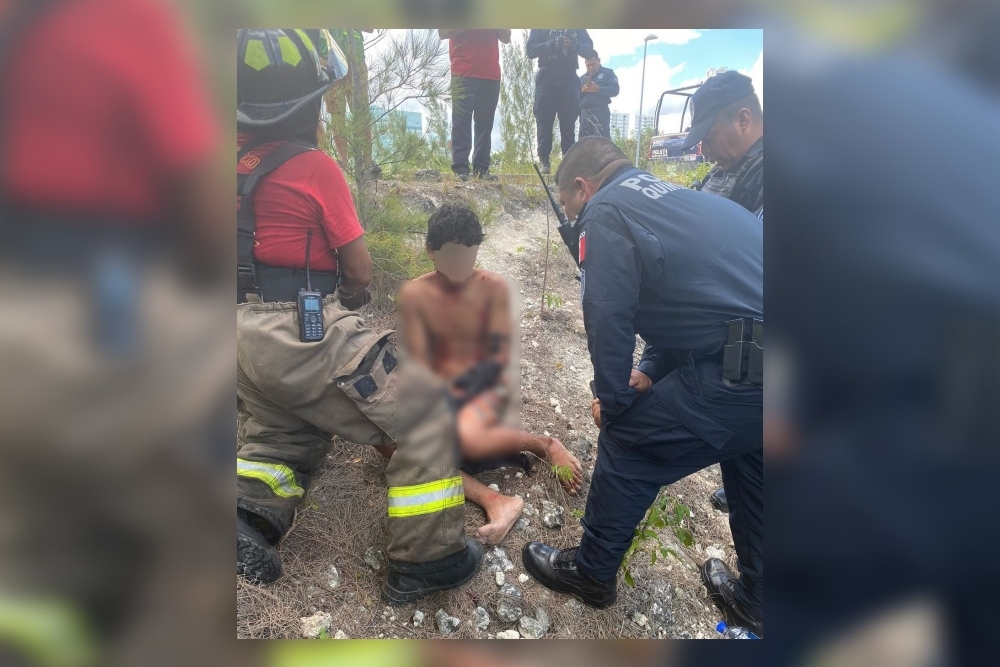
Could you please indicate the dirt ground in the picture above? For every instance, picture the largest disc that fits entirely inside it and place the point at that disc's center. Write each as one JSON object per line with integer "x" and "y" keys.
{"x": 343, "y": 514}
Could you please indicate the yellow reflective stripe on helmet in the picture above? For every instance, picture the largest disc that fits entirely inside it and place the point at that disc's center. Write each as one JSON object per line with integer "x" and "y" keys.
{"x": 49, "y": 633}
{"x": 289, "y": 52}
{"x": 256, "y": 55}
{"x": 306, "y": 39}
{"x": 426, "y": 498}
{"x": 280, "y": 479}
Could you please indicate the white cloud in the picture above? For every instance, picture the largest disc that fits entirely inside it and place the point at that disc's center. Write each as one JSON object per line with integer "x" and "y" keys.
{"x": 629, "y": 42}
{"x": 660, "y": 76}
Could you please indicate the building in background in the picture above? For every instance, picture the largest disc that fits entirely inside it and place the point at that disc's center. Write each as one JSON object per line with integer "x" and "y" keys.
{"x": 647, "y": 122}
{"x": 619, "y": 124}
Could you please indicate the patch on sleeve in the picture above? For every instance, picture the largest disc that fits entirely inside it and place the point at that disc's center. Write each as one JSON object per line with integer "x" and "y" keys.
{"x": 583, "y": 246}
{"x": 366, "y": 386}
{"x": 583, "y": 284}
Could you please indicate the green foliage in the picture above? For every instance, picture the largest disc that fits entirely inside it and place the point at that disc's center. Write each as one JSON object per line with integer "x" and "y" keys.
{"x": 563, "y": 473}
{"x": 627, "y": 144}
{"x": 395, "y": 238}
{"x": 553, "y": 301}
{"x": 324, "y": 633}
{"x": 576, "y": 513}
{"x": 665, "y": 513}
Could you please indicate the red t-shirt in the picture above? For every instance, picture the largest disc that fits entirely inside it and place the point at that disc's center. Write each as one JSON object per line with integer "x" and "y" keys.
{"x": 103, "y": 107}
{"x": 475, "y": 53}
{"x": 307, "y": 192}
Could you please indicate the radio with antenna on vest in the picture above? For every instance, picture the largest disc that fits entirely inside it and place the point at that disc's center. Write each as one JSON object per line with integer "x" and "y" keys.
{"x": 310, "y": 306}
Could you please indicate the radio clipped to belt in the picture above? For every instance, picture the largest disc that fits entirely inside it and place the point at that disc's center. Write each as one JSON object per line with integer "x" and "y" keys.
{"x": 743, "y": 358}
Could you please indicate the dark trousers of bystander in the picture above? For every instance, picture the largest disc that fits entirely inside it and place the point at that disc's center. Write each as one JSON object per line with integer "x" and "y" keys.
{"x": 474, "y": 105}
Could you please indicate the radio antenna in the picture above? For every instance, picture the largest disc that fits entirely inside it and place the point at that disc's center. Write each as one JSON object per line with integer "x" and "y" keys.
{"x": 309, "y": 238}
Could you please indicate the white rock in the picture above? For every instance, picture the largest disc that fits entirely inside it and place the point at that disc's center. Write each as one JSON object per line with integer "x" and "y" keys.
{"x": 313, "y": 626}
{"x": 340, "y": 635}
{"x": 530, "y": 628}
{"x": 495, "y": 487}
{"x": 558, "y": 410}
{"x": 508, "y": 634}
{"x": 715, "y": 552}
{"x": 523, "y": 578}
{"x": 499, "y": 577}
{"x": 640, "y": 619}
{"x": 418, "y": 619}
{"x": 334, "y": 579}
{"x": 534, "y": 343}
{"x": 519, "y": 475}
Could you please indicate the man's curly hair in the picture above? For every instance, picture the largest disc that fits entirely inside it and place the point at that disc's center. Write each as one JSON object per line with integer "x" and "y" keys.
{"x": 453, "y": 223}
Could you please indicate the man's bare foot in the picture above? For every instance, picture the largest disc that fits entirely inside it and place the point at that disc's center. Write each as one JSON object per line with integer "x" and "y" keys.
{"x": 503, "y": 512}
{"x": 561, "y": 458}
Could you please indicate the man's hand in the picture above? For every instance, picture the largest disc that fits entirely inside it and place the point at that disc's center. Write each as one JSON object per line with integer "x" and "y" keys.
{"x": 595, "y": 412}
{"x": 591, "y": 88}
{"x": 639, "y": 381}
{"x": 353, "y": 301}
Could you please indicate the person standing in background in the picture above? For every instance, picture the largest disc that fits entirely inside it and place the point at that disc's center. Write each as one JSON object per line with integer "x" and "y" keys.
{"x": 597, "y": 87}
{"x": 475, "y": 77}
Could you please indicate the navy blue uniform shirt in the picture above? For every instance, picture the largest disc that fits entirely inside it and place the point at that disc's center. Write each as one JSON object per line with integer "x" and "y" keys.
{"x": 671, "y": 265}
{"x": 607, "y": 82}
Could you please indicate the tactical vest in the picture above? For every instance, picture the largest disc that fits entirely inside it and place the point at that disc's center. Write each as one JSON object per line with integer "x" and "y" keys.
{"x": 743, "y": 185}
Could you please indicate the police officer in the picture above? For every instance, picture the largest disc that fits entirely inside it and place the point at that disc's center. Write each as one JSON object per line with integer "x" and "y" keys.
{"x": 597, "y": 87}
{"x": 294, "y": 395}
{"x": 673, "y": 266}
{"x": 557, "y": 89}
{"x": 729, "y": 123}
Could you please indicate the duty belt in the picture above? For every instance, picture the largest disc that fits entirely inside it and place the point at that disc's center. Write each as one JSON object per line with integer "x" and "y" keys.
{"x": 743, "y": 354}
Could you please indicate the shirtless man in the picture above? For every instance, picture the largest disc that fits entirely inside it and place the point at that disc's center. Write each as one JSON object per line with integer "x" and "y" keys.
{"x": 454, "y": 318}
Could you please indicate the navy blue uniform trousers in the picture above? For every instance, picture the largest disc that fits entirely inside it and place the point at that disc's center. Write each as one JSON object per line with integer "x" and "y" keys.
{"x": 557, "y": 93}
{"x": 647, "y": 448}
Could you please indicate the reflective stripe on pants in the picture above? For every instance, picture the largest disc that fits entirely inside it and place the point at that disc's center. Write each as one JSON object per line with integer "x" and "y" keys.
{"x": 279, "y": 478}
{"x": 426, "y": 498}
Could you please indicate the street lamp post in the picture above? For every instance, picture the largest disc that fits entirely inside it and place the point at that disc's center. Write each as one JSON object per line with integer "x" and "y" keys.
{"x": 642, "y": 90}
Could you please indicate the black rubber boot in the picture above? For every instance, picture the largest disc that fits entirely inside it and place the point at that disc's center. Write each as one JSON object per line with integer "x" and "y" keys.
{"x": 256, "y": 559}
{"x": 405, "y": 582}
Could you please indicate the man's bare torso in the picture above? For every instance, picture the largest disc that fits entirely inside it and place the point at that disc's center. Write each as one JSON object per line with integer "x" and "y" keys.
{"x": 459, "y": 325}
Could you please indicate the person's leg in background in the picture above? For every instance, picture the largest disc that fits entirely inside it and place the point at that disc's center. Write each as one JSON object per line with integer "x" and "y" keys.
{"x": 588, "y": 123}
{"x": 485, "y": 112}
{"x": 601, "y": 118}
{"x": 464, "y": 96}
{"x": 545, "y": 117}
{"x": 568, "y": 111}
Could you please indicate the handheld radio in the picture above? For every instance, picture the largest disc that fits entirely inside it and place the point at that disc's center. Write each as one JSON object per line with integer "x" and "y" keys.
{"x": 310, "y": 306}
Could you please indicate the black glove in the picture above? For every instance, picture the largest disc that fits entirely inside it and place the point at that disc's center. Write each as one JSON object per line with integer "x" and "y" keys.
{"x": 354, "y": 300}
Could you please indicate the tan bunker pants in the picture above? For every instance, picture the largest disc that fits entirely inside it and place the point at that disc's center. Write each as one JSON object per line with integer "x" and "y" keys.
{"x": 293, "y": 397}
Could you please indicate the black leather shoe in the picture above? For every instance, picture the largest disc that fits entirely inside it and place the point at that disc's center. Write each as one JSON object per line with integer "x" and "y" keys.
{"x": 406, "y": 582}
{"x": 256, "y": 559}
{"x": 557, "y": 570}
{"x": 719, "y": 580}
{"x": 718, "y": 500}
{"x": 546, "y": 168}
